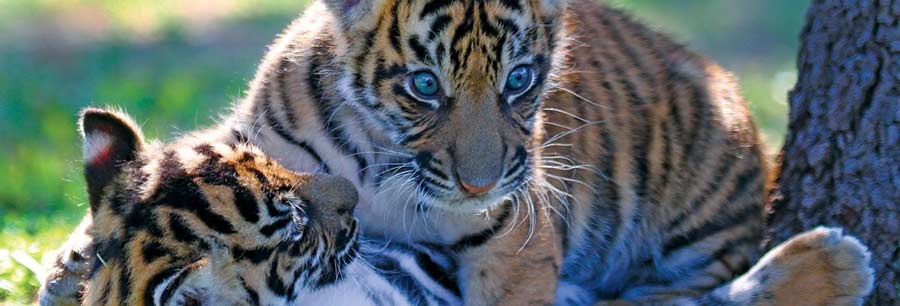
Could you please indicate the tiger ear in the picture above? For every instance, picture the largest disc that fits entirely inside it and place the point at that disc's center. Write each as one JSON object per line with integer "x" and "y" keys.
{"x": 111, "y": 140}
{"x": 355, "y": 14}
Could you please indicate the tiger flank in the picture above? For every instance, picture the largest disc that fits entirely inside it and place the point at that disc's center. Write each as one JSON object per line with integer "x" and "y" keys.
{"x": 197, "y": 223}
{"x": 562, "y": 152}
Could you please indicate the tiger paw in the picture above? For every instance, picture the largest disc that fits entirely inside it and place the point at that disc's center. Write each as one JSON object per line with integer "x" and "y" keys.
{"x": 64, "y": 281}
{"x": 818, "y": 267}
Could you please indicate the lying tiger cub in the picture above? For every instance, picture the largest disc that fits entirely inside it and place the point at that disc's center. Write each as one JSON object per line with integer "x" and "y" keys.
{"x": 196, "y": 223}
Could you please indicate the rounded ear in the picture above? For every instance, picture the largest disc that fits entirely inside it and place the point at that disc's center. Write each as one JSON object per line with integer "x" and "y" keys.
{"x": 111, "y": 140}
{"x": 355, "y": 14}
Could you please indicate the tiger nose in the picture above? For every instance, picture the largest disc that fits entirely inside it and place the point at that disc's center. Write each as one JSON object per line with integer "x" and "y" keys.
{"x": 477, "y": 189}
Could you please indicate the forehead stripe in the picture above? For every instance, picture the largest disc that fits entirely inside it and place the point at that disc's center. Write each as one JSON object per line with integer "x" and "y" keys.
{"x": 434, "y": 6}
{"x": 419, "y": 50}
{"x": 439, "y": 24}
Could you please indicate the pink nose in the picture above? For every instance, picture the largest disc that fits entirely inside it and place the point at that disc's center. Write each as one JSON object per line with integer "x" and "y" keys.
{"x": 477, "y": 190}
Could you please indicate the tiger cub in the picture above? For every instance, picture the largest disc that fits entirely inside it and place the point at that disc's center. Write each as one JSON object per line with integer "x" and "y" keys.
{"x": 195, "y": 223}
{"x": 184, "y": 224}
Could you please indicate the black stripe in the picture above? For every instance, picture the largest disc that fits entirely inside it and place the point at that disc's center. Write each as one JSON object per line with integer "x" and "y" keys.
{"x": 412, "y": 138}
{"x": 433, "y": 6}
{"x": 286, "y": 106}
{"x": 439, "y": 53}
{"x": 271, "y": 209}
{"x": 702, "y": 261}
{"x": 215, "y": 172}
{"x": 326, "y": 112}
{"x": 631, "y": 54}
{"x": 642, "y": 140}
{"x": 154, "y": 282}
{"x": 390, "y": 270}
{"x": 274, "y": 281}
{"x": 604, "y": 227}
{"x": 246, "y": 204}
{"x": 439, "y": 24}
{"x": 459, "y": 57}
{"x": 667, "y": 129}
{"x": 254, "y": 296}
{"x": 384, "y": 73}
{"x": 438, "y": 273}
{"x": 280, "y": 131}
{"x": 518, "y": 160}
{"x": 180, "y": 230}
{"x": 697, "y": 98}
{"x": 153, "y": 250}
{"x": 641, "y": 152}
{"x": 419, "y": 50}
{"x": 423, "y": 160}
{"x": 212, "y": 220}
{"x": 487, "y": 28}
{"x": 478, "y": 239}
{"x": 422, "y": 178}
{"x": 197, "y": 205}
{"x": 712, "y": 187}
{"x": 255, "y": 256}
{"x": 508, "y": 24}
{"x": 270, "y": 229}
{"x": 178, "y": 190}
{"x": 713, "y": 226}
{"x": 394, "y": 31}
{"x": 173, "y": 286}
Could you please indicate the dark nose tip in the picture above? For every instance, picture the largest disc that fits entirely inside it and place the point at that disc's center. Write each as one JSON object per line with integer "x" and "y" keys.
{"x": 475, "y": 189}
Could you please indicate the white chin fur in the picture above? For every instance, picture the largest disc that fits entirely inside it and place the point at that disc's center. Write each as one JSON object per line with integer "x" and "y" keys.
{"x": 392, "y": 213}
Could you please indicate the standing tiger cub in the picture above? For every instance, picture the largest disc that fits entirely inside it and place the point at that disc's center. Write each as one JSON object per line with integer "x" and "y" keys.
{"x": 197, "y": 223}
{"x": 543, "y": 142}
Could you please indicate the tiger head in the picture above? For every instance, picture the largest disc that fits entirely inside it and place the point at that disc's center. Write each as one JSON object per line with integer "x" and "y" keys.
{"x": 455, "y": 84}
{"x": 204, "y": 223}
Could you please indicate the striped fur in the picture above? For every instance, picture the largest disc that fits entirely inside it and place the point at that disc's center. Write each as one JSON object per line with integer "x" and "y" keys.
{"x": 392, "y": 273}
{"x": 194, "y": 223}
{"x": 642, "y": 150}
{"x": 203, "y": 223}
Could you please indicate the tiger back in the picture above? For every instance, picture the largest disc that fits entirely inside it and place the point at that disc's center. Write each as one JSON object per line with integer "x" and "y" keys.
{"x": 195, "y": 223}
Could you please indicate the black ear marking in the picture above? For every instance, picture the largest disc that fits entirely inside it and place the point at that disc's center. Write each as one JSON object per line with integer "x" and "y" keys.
{"x": 111, "y": 139}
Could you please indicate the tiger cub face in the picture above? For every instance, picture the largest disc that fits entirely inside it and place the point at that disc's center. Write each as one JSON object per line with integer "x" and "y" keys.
{"x": 196, "y": 223}
{"x": 456, "y": 84}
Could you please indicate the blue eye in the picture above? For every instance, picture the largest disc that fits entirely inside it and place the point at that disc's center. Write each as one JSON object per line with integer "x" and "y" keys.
{"x": 519, "y": 79}
{"x": 424, "y": 85}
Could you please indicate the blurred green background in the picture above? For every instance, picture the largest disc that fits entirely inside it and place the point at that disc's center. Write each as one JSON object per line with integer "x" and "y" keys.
{"x": 176, "y": 65}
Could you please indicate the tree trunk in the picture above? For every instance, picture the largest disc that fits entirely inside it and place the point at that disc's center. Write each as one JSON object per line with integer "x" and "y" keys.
{"x": 841, "y": 160}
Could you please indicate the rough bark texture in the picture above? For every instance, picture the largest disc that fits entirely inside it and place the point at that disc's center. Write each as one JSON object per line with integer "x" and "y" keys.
{"x": 841, "y": 159}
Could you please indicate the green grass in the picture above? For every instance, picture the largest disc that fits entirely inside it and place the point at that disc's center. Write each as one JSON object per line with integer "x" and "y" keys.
{"x": 147, "y": 57}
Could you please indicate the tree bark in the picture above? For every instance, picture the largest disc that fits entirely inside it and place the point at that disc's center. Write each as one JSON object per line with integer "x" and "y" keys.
{"x": 841, "y": 159}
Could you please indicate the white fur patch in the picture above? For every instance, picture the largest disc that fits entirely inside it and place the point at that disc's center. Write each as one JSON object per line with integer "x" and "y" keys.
{"x": 94, "y": 144}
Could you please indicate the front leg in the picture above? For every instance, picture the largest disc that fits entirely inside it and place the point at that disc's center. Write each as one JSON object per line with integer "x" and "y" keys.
{"x": 497, "y": 267}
